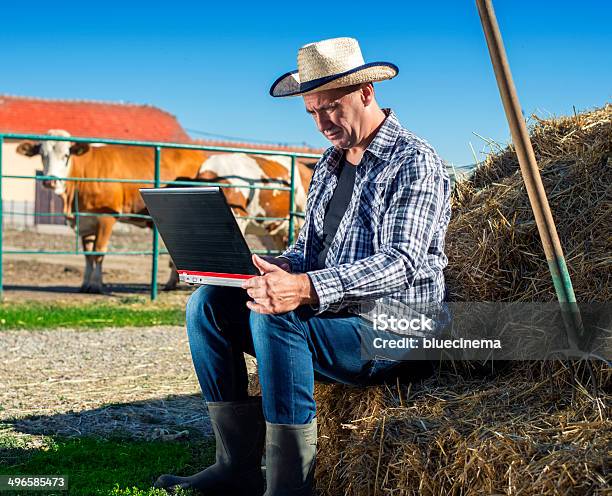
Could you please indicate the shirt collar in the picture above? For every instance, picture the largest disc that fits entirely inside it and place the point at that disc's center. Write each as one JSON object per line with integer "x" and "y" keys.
{"x": 384, "y": 141}
{"x": 381, "y": 146}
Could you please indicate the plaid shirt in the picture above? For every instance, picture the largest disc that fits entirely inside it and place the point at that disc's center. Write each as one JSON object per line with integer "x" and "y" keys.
{"x": 390, "y": 242}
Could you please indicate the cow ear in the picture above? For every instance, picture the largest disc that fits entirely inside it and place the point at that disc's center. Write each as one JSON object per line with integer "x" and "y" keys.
{"x": 79, "y": 148}
{"x": 28, "y": 148}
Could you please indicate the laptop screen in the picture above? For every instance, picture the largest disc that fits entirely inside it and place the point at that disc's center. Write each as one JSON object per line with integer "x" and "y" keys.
{"x": 199, "y": 230}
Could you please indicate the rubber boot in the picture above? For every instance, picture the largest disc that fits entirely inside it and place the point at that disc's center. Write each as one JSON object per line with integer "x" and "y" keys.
{"x": 290, "y": 459}
{"x": 239, "y": 428}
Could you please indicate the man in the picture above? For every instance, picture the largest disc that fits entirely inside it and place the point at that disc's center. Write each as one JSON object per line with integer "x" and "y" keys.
{"x": 376, "y": 217}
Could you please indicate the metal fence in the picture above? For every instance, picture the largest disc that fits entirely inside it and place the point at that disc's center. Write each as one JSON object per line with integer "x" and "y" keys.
{"x": 18, "y": 213}
{"x": 156, "y": 182}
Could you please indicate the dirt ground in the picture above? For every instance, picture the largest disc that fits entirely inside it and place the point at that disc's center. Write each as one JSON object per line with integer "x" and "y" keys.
{"x": 41, "y": 276}
{"x": 135, "y": 382}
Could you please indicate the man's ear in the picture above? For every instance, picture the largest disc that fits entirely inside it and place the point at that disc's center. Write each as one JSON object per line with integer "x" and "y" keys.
{"x": 28, "y": 148}
{"x": 79, "y": 148}
{"x": 367, "y": 94}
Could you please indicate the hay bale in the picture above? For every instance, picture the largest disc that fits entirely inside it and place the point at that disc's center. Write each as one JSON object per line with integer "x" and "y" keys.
{"x": 493, "y": 246}
{"x": 535, "y": 428}
{"x": 532, "y": 430}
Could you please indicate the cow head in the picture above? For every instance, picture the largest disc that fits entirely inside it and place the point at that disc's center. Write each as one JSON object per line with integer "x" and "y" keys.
{"x": 55, "y": 157}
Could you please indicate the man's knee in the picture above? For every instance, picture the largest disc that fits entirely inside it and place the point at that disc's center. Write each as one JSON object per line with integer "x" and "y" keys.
{"x": 199, "y": 299}
{"x": 212, "y": 302}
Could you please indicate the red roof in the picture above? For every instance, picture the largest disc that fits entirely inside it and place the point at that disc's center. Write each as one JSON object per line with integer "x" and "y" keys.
{"x": 89, "y": 118}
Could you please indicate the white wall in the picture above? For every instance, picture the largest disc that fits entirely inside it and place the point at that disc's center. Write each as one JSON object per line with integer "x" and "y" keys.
{"x": 14, "y": 164}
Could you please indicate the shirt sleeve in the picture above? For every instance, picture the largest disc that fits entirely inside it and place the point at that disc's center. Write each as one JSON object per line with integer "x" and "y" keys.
{"x": 294, "y": 254}
{"x": 414, "y": 208}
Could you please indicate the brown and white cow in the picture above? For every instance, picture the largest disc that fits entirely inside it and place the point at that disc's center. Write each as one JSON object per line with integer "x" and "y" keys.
{"x": 241, "y": 169}
{"x": 69, "y": 159}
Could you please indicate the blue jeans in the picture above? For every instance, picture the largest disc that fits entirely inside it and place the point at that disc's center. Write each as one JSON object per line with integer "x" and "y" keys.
{"x": 292, "y": 350}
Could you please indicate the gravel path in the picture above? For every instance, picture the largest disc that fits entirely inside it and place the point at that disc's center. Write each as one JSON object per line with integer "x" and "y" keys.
{"x": 138, "y": 382}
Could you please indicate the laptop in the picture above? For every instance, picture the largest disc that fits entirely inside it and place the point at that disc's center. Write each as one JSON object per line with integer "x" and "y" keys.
{"x": 201, "y": 235}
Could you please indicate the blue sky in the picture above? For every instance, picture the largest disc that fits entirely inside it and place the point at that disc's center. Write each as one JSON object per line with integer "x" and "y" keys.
{"x": 211, "y": 64}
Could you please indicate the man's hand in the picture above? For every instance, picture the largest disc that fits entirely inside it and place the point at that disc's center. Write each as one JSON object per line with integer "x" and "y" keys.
{"x": 276, "y": 290}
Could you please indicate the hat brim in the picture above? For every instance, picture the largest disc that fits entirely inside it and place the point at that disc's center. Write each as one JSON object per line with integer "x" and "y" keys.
{"x": 289, "y": 84}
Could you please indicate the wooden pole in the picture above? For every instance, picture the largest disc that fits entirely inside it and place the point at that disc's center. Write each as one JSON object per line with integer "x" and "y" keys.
{"x": 529, "y": 168}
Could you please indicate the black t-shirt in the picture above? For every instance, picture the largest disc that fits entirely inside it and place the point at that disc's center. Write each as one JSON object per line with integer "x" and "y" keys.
{"x": 336, "y": 208}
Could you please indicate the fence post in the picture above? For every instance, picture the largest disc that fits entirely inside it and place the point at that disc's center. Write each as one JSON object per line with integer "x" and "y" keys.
{"x": 292, "y": 200}
{"x": 76, "y": 219}
{"x": 155, "y": 233}
{"x": 1, "y": 217}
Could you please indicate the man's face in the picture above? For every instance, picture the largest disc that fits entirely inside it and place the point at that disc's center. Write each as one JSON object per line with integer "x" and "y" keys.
{"x": 337, "y": 114}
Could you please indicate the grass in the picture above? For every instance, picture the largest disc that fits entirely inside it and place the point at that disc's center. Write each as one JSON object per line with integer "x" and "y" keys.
{"x": 101, "y": 467}
{"x": 38, "y": 315}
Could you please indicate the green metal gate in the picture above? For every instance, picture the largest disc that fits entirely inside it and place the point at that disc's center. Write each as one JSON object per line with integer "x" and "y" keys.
{"x": 156, "y": 182}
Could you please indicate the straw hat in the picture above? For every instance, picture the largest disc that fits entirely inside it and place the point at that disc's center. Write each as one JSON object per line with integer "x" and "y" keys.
{"x": 329, "y": 64}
